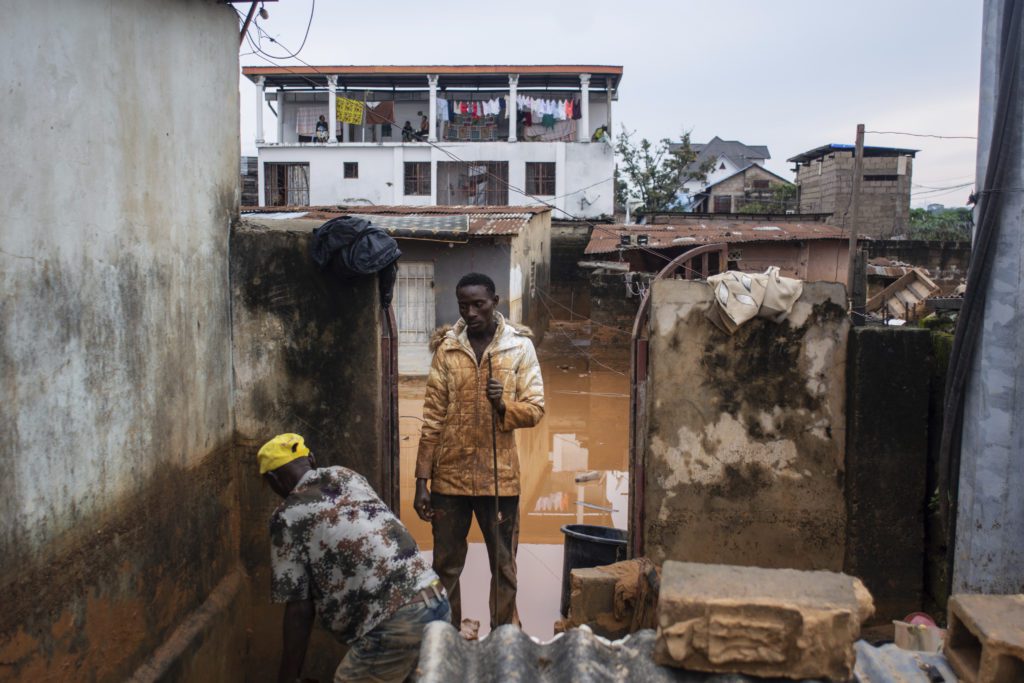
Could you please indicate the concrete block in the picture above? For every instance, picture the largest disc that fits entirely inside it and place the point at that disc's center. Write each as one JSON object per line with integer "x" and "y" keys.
{"x": 760, "y": 622}
{"x": 614, "y": 600}
{"x": 985, "y": 640}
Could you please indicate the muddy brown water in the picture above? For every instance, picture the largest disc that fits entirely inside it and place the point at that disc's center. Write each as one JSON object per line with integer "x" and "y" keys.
{"x": 585, "y": 430}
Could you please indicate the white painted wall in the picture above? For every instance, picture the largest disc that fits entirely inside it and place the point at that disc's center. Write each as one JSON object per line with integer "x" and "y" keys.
{"x": 583, "y": 172}
{"x": 114, "y": 319}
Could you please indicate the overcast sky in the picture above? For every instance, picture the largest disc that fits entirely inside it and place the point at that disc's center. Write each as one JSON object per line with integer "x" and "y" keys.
{"x": 789, "y": 74}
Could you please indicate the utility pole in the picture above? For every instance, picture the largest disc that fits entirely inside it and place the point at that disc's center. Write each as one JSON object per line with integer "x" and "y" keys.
{"x": 854, "y": 224}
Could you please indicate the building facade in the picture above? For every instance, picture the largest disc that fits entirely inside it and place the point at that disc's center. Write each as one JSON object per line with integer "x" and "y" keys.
{"x": 825, "y": 185}
{"x": 729, "y": 157}
{"x": 437, "y": 135}
{"x": 752, "y": 188}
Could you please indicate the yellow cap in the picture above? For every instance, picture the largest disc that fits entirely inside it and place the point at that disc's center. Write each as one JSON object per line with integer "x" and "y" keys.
{"x": 281, "y": 450}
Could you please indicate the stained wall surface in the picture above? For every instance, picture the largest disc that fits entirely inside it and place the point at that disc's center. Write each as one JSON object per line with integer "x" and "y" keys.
{"x": 745, "y": 440}
{"x": 117, "y": 508}
{"x": 307, "y": 359}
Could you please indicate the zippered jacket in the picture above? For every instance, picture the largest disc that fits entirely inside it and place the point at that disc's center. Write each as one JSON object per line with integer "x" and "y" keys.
{"x": 455, "y": 451}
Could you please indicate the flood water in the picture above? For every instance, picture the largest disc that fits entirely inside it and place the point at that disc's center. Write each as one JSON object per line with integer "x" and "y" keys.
{"x": 585, "y": 431}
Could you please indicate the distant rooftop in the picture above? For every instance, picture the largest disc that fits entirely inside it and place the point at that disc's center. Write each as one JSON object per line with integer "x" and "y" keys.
{"x": 739, "y": 154}
{"x": 531, "y": 76}
{"x": 407, "y": 221}
{"x": 684, "y": 232}
{"x": 819, "y": 152}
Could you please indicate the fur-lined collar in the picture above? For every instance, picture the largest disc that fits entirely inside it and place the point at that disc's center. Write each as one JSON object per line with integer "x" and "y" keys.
{"x": 452, "y": 332}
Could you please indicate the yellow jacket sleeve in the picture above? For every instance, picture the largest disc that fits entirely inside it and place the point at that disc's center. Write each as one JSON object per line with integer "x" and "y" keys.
{"x": 435, "y": 406}
{"x": 528, "y": 407}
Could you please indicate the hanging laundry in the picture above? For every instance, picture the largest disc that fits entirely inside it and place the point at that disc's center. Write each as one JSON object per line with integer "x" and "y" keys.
{"x": 442, "y": 109}
{"x": 548, "y": 121}
{"x": 380, "y": 112}
{"x": 577, "y": 109}
{"x": 349, "y": 111}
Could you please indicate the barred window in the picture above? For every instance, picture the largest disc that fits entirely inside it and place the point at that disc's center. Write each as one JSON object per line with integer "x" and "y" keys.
{"x": 417, "y": 178}
{"x": 351, "y": 169}
{"x": 540, "y": 178}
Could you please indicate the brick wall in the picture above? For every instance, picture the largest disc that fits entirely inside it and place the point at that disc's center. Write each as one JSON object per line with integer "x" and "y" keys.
{"x": 885, "y": 204}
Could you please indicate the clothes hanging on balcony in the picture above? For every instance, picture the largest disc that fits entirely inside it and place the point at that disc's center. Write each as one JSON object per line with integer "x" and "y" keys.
{"x": 380, "y": 112}
{"x": 442, "y": 110}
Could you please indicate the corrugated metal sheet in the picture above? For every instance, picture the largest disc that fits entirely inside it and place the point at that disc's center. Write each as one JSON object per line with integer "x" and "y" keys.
{"x": 605, "y": 239}
{"x": 578, "y": 656}
{"x": 424, "y": 221}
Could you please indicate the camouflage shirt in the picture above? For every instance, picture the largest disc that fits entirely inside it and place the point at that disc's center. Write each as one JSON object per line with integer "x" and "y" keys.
{"x": 334, "y": 541}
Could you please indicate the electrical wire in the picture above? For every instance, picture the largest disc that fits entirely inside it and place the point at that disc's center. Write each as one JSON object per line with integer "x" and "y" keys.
{"x": 921, "y": 135}
{"x": 582, "y": 317}
{"x": 498, "y": 178}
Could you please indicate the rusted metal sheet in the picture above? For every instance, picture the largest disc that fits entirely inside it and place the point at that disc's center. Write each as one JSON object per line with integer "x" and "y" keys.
{"x": 698, "y": 232}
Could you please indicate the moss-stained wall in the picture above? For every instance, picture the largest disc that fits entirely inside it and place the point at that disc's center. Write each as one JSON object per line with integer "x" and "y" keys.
{"x": 118, "y": 512}
{"x": 744, "y": 449}
{"x": 307, "y": 359}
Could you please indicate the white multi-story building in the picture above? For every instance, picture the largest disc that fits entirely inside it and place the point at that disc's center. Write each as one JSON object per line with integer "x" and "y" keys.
{"x": 438, "y": 135}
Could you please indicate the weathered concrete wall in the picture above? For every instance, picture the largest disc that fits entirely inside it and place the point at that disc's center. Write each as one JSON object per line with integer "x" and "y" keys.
{"x": 743, "y": 456}
{"x": 886, "y": 464}
{"x": 531, "y": 274}
{"x": 452, "y": 262}
{"x": 117, "y": 509}
{"x": 569, "y": 286}
{"x": 307, "y": 360}
{"x": 611, "y": 303}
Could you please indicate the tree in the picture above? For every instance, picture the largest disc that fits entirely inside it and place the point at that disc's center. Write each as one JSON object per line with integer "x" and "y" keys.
{"x": 948, "y": 224}
{"x": 652, "y": 173}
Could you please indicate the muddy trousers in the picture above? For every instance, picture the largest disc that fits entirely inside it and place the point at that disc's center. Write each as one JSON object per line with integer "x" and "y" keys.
{"x": 452, "y": 518}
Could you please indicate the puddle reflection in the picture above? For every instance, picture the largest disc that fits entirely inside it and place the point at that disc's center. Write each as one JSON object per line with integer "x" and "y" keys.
{"x": 573, "y": 464}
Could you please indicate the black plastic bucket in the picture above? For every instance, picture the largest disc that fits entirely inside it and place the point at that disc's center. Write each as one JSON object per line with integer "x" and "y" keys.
{"x": 588, "y": 545}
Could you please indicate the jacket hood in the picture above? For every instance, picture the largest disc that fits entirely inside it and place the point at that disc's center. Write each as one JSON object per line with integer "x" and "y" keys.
{"x": 453, "y": 331}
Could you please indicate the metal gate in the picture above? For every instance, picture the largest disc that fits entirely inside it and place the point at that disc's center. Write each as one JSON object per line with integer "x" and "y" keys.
{"x": 414, "y": 301}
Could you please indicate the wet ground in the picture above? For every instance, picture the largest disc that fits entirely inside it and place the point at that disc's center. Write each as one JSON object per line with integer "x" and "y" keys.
{"x": 585, "y": 432}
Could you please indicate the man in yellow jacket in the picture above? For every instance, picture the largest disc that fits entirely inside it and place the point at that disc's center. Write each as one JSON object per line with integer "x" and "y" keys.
{"x": 484, "y": 368}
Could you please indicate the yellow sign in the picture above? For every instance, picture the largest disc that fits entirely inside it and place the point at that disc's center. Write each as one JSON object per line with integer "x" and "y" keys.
{"x": 350, "y": 111}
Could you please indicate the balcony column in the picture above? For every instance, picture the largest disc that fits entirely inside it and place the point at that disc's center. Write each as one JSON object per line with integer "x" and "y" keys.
{"x": 584, "y": 129}
{"x": 280, "y": 115}
{"x": 432, "y": 109}
{"x": 260, "y": 88}
{"x": 332, "y": 108}
{"x": 610, "y": 93}
{"x": 513, "y": 92}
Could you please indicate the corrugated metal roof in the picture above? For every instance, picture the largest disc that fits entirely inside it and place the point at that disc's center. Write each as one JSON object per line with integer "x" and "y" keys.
{"x": 869, "y": 151}
{"x": 424, "y": 221}
{"x": 682, "y": 233}
{"x": 579, "y": 656}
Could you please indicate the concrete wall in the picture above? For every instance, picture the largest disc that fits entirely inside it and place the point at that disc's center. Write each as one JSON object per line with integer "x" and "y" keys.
{"x": 583, "y": 182}
{"x": 569, "y": 283}
{"x": 946, "y": 261}
{"x": 826, "y": 187}
{"x": 307, "y": 360}
{"x": 889, "y": 377}
{"x": 742, "y": 458}
{"x": 531, "y": 274}
{"x": 117, "y": 502}
{"x": 489, "y": 256}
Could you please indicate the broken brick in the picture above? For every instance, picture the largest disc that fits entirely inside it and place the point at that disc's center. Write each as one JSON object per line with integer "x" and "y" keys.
{"x": 760, "y": 622}
{"x": 985, "y": 639}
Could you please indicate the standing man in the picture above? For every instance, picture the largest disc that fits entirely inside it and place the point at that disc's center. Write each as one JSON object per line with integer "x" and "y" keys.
{"x": 338, "y": 549}
{"x": 484, "y": 376}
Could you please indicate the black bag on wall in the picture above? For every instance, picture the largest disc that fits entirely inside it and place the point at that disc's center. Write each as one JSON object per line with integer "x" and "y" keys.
{"x": 351, "y": 247}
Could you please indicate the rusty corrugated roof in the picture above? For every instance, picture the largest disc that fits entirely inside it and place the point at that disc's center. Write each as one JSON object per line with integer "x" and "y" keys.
{"x": 682, "y": 233}
{"x": 482, "y": 221}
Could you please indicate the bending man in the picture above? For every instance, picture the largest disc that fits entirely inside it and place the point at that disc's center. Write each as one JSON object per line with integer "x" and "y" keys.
{"x": 484, "y": 368}
{"x": 337, "y": 547}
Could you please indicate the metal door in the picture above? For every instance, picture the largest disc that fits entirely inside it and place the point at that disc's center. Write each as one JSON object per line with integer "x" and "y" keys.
{"x": 415, "y": 301}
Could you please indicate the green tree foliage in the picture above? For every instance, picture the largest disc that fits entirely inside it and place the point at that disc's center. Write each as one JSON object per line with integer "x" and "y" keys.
{"x": 652, "y": 174}
{"x": 783, "y": 199}
{"x": 952, "y": 225}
